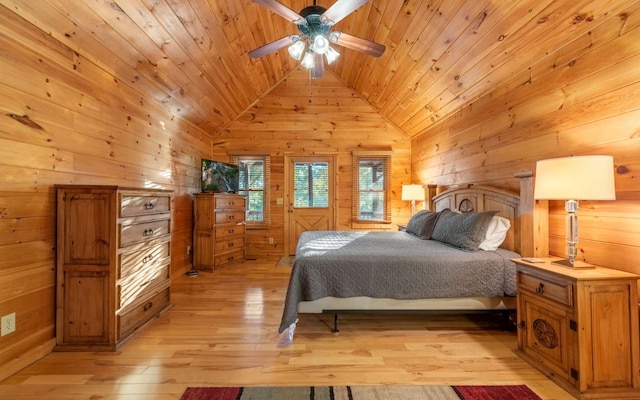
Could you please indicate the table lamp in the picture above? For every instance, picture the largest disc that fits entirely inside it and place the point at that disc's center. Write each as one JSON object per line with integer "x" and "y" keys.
{"x": 573, "y": 179}
{"x": 413, "y": 193}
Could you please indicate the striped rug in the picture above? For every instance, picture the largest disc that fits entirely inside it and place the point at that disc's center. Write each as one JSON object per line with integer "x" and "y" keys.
{"x": 431, "y": 392}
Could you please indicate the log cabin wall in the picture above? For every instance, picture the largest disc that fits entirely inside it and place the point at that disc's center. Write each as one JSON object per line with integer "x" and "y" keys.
{"x": 320, "y": 117}
{"x": 578, "y": 99}
{"x": 67, "y": 120}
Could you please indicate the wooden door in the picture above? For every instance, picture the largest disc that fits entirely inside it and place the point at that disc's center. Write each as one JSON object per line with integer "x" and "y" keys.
{"x": 310, "y": 196}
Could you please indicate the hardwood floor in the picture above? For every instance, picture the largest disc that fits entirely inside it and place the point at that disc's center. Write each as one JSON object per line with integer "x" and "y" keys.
{"x": 223, "y": 331}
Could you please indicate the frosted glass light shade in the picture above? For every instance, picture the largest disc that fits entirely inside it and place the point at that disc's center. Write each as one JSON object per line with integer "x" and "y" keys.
{"x": 412, "y": 192}
{"x": 307, "y": 61}
{"x": 320, "y": 44}
{"x": 575, "y": 178}
{"x": 331, "y": 55}
{"x": 296, "y": 50}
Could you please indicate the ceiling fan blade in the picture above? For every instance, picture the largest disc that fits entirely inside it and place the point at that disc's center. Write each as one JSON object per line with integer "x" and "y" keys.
{"x": 353, "y": 42}
{"x": 341, "y": 9}
{"x": 318, "y": 66}
{"x": 273, "y": 46}
{"x": 280, "y": 9}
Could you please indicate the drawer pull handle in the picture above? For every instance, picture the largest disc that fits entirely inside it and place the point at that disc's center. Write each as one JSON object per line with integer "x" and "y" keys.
{"x": 231, "y": 203}
{"x": 540, "y": 288}
{"x": 149, "y": 206}
{"x": 230, "y": 259}
{"x": 147, "y": 232}
{"x": 231, "y": 217}
{"x": 231, "y": 231}
{"x": 147, "y": 258}
{"x": 148, "y": 306}
{"x": 230, "y": 244}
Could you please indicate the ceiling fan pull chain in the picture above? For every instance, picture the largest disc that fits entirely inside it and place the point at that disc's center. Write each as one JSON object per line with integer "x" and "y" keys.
{"x": 310, "y": 84}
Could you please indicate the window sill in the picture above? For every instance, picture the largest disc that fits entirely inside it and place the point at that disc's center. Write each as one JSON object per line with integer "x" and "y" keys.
{"x": 371, "y": 225}
{"x": 256, "y": 226}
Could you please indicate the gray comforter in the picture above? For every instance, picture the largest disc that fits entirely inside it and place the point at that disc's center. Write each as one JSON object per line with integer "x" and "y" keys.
{"x": 392, "y": 265}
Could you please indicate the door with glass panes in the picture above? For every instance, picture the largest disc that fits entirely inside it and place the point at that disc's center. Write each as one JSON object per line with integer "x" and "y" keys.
{"x": 310, "y": 197}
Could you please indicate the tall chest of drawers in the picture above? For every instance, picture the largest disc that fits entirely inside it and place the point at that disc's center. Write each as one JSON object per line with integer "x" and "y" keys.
{"x": 113, "y": 263}
{"x": 219, "y": 230}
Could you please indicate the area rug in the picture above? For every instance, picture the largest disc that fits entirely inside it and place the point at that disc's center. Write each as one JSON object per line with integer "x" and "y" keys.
{"x": 431, "y": 392}
{"x": 285, "y": 261}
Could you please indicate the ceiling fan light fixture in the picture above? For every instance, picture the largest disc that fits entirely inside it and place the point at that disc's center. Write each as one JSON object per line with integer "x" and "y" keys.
{"x": 320, "y": 44}
{"x": 296, "y": 50}
{"x": 331, "y": 54}
{"x": 307, "y": 61}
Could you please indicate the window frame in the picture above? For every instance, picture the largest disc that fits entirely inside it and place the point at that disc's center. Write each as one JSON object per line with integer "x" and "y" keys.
{"x": 358, "y": 157}
{"x": 266, "y": 209}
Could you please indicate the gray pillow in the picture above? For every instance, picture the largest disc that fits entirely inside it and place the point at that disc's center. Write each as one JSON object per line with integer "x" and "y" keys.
{"x": 422, "y": 224}
{"x": 465, "y": 231}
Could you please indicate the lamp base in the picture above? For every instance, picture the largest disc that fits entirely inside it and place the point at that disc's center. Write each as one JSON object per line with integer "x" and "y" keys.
{"x": 576, "y": 264}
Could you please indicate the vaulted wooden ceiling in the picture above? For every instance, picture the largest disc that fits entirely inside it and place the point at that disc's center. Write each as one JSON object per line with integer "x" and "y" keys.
{"x": 192, "y": 54}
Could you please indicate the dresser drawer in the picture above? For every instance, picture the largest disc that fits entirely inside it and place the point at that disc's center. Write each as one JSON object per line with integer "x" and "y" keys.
{"x": 235, "y": 202}
{"x": 561, "y": 292}
{"x": 229, "y": 245}
{"x": 136, "y": 233}
{"x": 230, "y": 217}
{"x": 146, "y": 258}
{"x": 140, "y": 314}
{"x": 229, "y": 230}
{"x": 227, "y": 258}
{"x": 136, "y": 286}
{"x": 136, "y": 204}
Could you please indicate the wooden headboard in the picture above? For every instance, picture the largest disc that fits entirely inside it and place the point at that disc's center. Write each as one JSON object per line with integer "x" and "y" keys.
{"x": 485, "y": 198}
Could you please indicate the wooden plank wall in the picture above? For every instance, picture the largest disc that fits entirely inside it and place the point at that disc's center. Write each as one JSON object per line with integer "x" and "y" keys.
{"x": 303, "y": 117}
{"x": 64, "y": 119}
{"x": 581, "y": 98}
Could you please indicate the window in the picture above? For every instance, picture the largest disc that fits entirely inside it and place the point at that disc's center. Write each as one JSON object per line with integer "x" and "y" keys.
{"x": 311, "y": 184}
{"x": 254, "y": 185}
{"x": 371, "y": 187}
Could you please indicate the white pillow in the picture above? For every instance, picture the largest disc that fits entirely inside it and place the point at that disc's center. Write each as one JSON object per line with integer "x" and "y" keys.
{"x": 496, "y": 233}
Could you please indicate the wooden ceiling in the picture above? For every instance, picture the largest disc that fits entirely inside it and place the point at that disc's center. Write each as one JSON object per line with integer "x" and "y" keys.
{"x": 441, "y": 55}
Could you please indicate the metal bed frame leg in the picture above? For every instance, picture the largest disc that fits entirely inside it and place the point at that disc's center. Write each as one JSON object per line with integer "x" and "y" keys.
{"x": 335, "y": 323}
{"x": 507, "y": 325}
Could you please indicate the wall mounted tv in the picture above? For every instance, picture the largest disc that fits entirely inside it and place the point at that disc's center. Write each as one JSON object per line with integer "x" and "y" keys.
{"x": 219, "y": 177}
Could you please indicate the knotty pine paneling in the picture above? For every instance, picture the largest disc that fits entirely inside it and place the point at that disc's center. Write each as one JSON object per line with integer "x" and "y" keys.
{"x": 578, "y": 98}
{"x": 64, "y": 119}
{"x": 303, "y": 117}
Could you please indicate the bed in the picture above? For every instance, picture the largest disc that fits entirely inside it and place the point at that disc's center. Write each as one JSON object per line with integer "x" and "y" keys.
{"x": 433, "y": 267}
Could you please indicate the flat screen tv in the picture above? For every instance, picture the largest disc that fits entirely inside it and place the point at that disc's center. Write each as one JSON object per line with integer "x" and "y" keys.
{"x": 219, "y": 177}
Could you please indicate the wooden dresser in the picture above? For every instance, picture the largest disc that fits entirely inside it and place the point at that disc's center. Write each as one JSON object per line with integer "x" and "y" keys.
{"x": 580, "y": 328}
{"x": 218, "y": 230}
{"x": 113, "y": 263}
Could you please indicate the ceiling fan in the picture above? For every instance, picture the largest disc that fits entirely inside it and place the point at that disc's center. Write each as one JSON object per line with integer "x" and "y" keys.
{"x": 315, "y": 24}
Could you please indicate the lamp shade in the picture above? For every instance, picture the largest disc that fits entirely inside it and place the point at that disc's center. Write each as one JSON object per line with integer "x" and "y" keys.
{"x": 575, "y": 178}
{"x": 412, "y": 192}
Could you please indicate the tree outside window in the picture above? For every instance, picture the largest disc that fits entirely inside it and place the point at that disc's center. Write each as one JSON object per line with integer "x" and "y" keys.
{"x": 371, "y": 188}
{"x": 254, "y": 184}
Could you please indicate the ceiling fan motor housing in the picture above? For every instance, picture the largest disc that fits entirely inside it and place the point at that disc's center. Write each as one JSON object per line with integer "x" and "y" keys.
{"x": 314, "y": 26}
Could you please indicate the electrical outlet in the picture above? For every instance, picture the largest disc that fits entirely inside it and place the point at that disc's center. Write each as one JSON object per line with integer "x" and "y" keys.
{"x": 8, "y": 324}
{"x": 270, "y": 240}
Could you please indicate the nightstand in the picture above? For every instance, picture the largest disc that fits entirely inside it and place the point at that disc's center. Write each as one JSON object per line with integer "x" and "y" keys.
{"x": 580, "y": 328}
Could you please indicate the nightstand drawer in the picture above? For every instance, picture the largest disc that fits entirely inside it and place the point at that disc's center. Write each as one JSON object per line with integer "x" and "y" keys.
{"x": 556, "y": 291}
